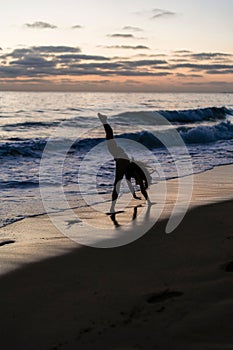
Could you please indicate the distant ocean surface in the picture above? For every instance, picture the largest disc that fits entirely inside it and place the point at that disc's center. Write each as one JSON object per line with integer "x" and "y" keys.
{"x": 29, "y": 119}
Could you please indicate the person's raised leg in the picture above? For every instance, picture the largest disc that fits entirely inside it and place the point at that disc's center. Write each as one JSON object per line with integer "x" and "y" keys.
{"x": 108, "y": 130}
{"x": 102, "y": 118}
{"x": 111, "y": 143}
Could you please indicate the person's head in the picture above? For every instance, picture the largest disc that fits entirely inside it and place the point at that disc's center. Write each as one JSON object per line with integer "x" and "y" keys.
{"x": 140, "y": 173}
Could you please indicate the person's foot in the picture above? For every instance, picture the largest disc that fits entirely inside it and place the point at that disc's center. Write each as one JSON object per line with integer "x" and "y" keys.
{"x": 102, "y": 118}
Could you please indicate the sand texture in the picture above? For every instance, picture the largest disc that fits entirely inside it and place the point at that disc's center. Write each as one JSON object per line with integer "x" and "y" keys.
{"x": 163, "y": 291}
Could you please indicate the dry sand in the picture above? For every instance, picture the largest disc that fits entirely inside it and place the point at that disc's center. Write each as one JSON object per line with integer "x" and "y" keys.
{"x": 159, "y": 292}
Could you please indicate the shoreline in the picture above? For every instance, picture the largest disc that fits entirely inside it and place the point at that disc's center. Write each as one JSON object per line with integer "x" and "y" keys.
{"x": 77, "y": 207}
{"x": 36, "y": 238}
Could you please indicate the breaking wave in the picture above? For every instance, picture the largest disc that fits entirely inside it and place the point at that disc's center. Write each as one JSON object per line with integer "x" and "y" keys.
{"x": 201, "y": 134}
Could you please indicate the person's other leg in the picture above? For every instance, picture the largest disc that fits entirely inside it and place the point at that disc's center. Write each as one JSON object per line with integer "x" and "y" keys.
{"x": 120, "y": 171}
{"x": 115, "y": 193}
{"x": 144, "y": 192}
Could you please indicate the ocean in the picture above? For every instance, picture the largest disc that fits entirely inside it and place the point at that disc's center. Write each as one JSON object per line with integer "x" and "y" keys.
{"x": 29, "y": 121}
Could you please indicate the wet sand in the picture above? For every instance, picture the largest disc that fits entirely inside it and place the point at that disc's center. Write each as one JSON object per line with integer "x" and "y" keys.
{"x": 162, "y": 291}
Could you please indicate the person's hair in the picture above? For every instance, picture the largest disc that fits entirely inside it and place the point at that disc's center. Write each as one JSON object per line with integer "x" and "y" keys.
{"x": 141, "y": 172}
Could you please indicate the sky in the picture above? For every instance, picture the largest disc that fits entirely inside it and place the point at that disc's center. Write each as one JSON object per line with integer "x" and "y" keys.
{"x": 123, "y": 45}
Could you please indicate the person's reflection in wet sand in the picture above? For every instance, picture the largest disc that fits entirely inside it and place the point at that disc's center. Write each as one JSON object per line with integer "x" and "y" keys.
{"x": 134, "y": 216}
{"x": 114, "y": 220}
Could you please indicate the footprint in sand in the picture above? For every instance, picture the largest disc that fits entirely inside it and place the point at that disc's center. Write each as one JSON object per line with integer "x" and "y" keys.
{"x": 228, "y": 267}
{"x": 162, "y": 296}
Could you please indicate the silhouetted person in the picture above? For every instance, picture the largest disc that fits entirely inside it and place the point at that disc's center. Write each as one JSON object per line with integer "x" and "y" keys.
{"x": 124, "y": 167}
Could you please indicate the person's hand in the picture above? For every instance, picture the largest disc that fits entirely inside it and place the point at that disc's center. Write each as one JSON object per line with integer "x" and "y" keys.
{"x": 136, "y": 197}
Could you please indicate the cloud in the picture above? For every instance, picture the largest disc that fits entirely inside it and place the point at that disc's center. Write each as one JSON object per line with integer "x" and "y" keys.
{"x": 97, "y": 65}
{"x": 131, "y": 47}
{"x": 159, "y": 13}
{"x": 210, "y": 55}
{"x": 224, "y": 71}
{"x": 181, "y": 75}
{"x": 135, "y": 29}
{"x": 118, "y": 35}
{"x": 182, "y": 51}
{"x": 55, "y": 49}
{"x": 156, "y": 13}
{"x": 77, "y": 26}
{"x": 144, "y": 74}
{"x": 230, "y": 83}
{"x": 40, "y": 25}
{"x": 66, "y": 62}
{"x": 145, "y": 63}
{"x": 150, "y": 55}
{"x": 198, "y": 84}
{"x": 83, "y": 57}
{"x": 27, "y": 80}
{"x": 19, "y": 53}
{"x": 39, "y": 62}
{"x": 201, "y": 67}
{"x": 34, "y": 61}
